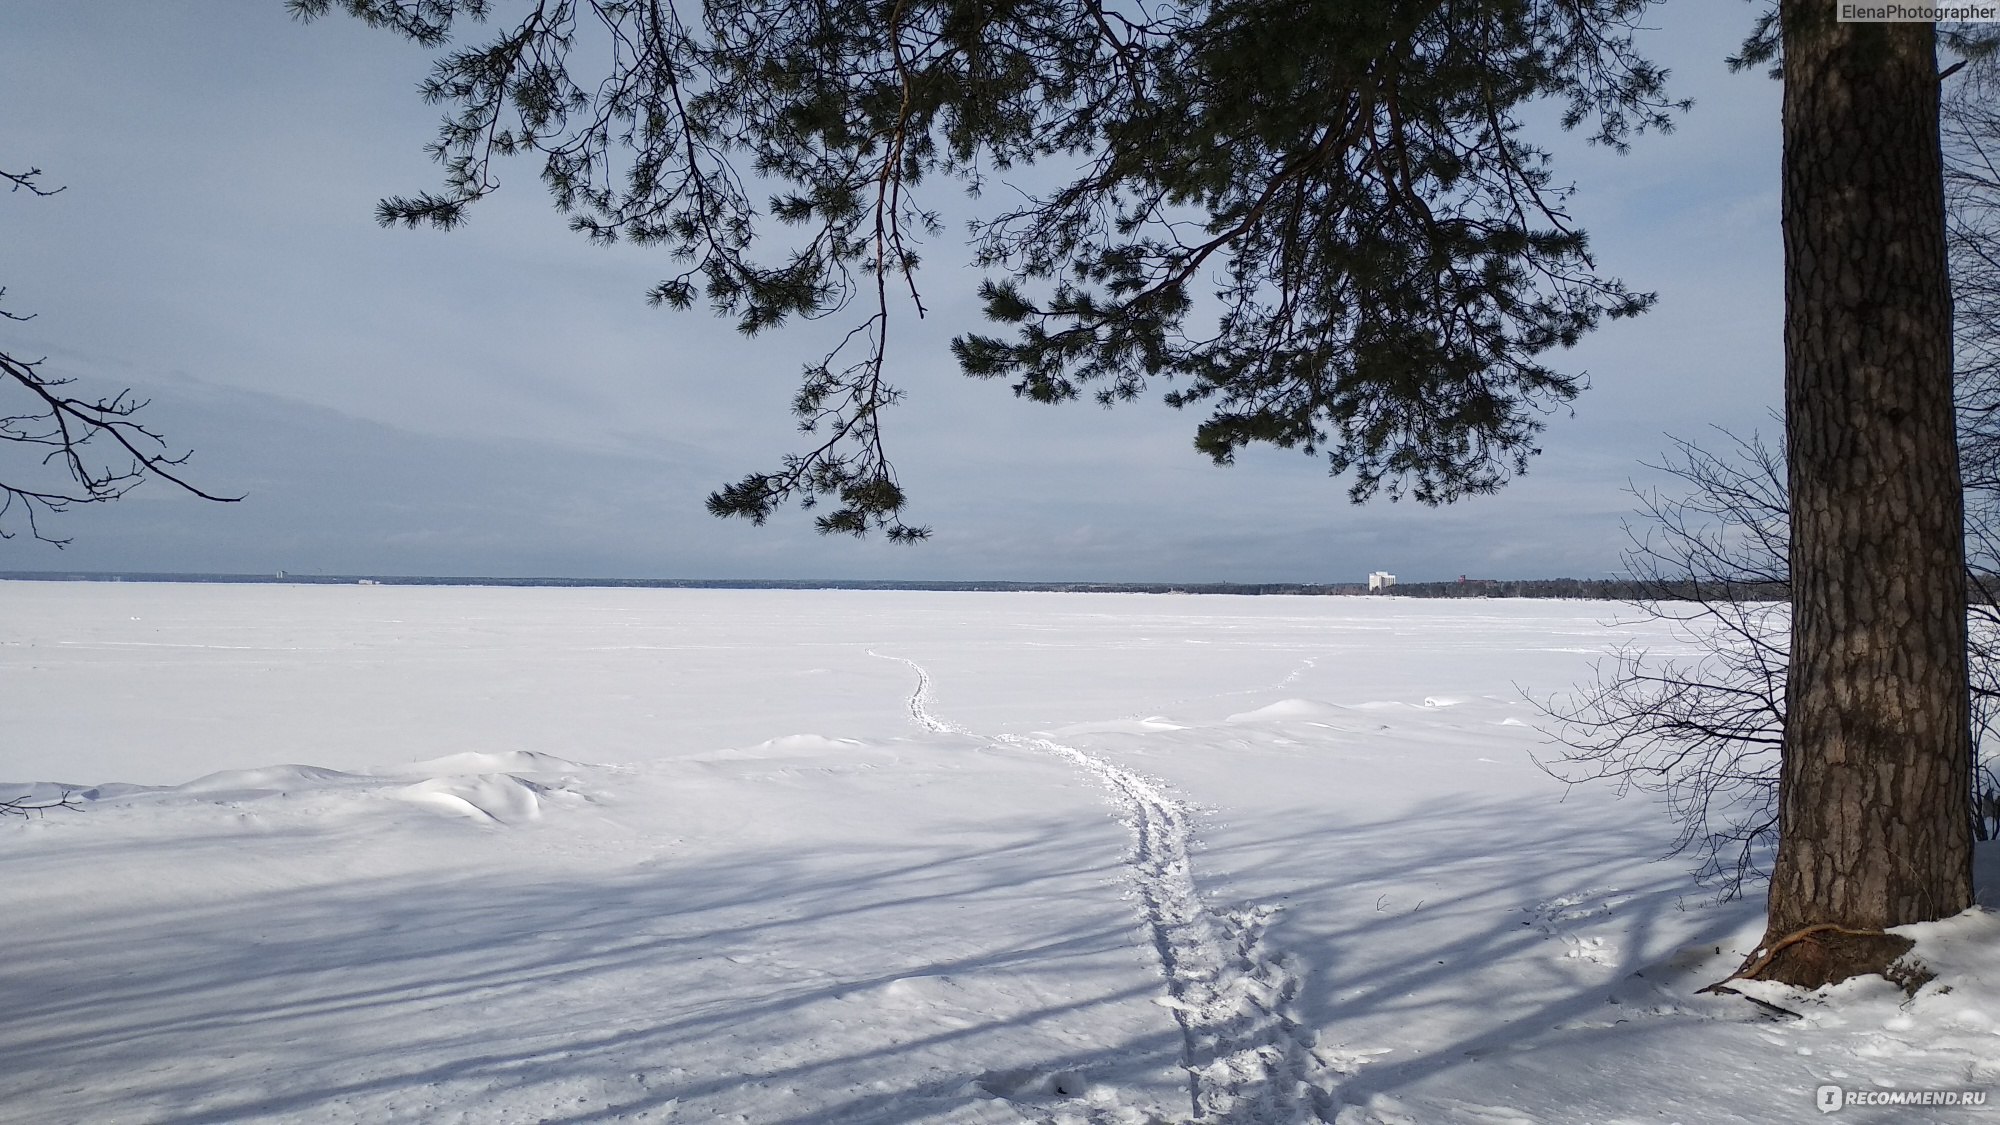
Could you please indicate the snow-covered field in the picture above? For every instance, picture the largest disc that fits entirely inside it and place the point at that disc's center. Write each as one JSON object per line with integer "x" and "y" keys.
{"x": 393, "y": 854}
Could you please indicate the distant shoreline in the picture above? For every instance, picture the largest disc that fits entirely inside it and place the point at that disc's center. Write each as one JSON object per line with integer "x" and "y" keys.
{"x": 1589, "y": 589}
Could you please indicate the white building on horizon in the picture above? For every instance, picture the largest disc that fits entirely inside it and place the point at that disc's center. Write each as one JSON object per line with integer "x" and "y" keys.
{"x": 1381, "y": 580}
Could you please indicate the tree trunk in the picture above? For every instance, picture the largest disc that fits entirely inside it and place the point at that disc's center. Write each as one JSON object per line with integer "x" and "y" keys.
{"x": 1873, "y": 830}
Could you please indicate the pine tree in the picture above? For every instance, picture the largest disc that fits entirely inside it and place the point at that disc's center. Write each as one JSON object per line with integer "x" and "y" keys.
{"x": 1395, "y": 256}
{"x": 1323, "y": 225}
{"x": 1878, "y": 752}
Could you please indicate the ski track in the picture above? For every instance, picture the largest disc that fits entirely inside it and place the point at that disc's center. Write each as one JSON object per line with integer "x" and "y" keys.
{"x": 920, "y": 699}
{"x": 1249, "y": 1061}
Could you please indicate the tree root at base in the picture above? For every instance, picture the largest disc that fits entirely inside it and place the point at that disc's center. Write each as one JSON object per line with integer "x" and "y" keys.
{"x": 1820, "y": 955}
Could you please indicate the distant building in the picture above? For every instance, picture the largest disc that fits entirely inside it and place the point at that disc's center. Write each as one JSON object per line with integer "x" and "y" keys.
{"x": 1381, "y": 580}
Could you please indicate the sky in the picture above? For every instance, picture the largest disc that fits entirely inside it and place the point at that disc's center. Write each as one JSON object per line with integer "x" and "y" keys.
{"x": 499, "y": 400}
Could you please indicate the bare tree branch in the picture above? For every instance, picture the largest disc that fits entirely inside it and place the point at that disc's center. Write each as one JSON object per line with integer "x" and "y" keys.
{"x": 81, "y": 450}
{"x": 28, "y": 806}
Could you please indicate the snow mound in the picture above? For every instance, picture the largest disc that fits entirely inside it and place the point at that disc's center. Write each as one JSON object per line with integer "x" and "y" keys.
{"x": 1968, "y": 942}
{"x": 794, "y": 757}
{"x": 1441, "y": 701}
{"x": 47, "y": 792}
{"x": 267, "y": 779}
{"x": 1147, "y": 725}
{"x": 506, "y": 761}
{"x": 1956, "y": 1010}
{"x": 802, "y": 743}
{"x": 924, "y": 992}
{"x": 488, "y": 798}
{"x": 1292, "y": 710}
{"x": 36, "y": 791}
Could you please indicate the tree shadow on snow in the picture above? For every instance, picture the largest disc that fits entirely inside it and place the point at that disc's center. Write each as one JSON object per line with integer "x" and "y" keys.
{"x": 744, "y": 981}
{"x": 1462, "y": 932}
{"x": 797, "y": 988}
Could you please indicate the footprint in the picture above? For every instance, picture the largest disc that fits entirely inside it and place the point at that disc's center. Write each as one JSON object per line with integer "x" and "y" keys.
{"x": 1593, "y": 950}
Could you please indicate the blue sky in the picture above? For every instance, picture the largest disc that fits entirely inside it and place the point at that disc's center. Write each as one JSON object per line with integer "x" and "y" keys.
{"x": 500, "y": 401}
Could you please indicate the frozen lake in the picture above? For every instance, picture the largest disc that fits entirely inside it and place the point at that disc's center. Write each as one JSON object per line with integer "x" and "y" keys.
{"x": 428, "y": 854}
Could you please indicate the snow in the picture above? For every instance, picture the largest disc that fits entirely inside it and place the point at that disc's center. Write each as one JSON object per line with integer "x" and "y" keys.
{"x": 418, "y": 854}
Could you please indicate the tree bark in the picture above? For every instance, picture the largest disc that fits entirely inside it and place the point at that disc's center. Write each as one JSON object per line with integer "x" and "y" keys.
{"x": 1873, "y": 830}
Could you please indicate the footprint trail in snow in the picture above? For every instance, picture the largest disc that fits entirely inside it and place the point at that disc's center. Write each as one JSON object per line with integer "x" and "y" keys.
{"x": 920, "y": 699}
{"x": 1248, "y": 1059}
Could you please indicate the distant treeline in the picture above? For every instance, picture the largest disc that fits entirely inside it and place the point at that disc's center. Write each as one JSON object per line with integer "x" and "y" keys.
{"x": 1596, "y": 589}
